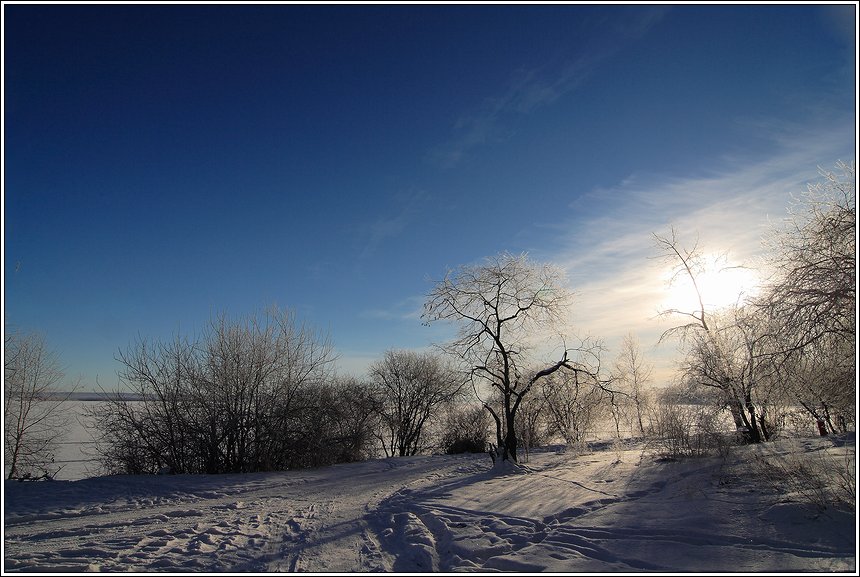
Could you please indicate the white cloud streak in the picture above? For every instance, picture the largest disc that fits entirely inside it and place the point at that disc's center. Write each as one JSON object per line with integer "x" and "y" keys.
{"x": 609, "y": 258}
{"x": 408, "y": 309}
{"x": 531, "y": 89}
{"x": 389, "y": 227}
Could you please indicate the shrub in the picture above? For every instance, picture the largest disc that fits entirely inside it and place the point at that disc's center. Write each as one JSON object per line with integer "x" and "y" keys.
{"x": 466, "y": 431}
{"x": 678, "y": 431}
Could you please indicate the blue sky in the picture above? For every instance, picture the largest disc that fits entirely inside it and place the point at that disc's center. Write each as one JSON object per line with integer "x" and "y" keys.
{"x": 164, "y": 163}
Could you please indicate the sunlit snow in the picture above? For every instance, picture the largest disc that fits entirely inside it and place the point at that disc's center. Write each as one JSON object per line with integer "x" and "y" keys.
{"x": 612, "y": 508}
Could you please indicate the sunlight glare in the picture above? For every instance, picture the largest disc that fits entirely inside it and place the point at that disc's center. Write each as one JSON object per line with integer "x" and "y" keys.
{"x": 721, "y": 286}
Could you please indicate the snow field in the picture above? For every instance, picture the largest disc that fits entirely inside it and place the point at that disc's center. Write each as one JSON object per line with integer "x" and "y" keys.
{"x": 616, "y": 508}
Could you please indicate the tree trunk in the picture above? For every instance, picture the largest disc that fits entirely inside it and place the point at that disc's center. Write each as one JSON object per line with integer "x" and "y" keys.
{"x": 765, "y": 432}
{"x": 754, "y": 435}
{"x": 736, "y": 410}
{"x": 497, "y": 451}
{"x": 510, "y": 444}
{"x": 639, "y": 417}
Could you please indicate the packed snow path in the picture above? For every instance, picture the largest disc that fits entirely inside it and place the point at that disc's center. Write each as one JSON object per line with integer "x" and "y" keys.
{"x": 609, "y": 510}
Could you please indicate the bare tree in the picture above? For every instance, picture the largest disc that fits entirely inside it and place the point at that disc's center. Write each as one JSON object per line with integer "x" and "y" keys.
{"x": 33, "y": 417}
{"x": 411, "y": 388}
{"x": 239, "y": 399}
{"x": 531, "y": 422}
{"x": 814, "y": 256}
{"x": 574, "y": 402}
{"x": 632, "y": 375}
{"x": 499, "y": 305}
{"x": 689, "y": 263}
{"x": 797, "y": 338}
{"x": 162, "y": 428}
{"x": 723, "y": 349}
{"x": 811, "y": 300}
{"x": 732, "y": 357}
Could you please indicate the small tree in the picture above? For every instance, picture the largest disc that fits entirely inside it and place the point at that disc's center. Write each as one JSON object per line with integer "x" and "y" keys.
{"x": 633, "y": 374}
{"x": 574, "y": 403}
{"x": 531, "y": 423}
{"x": 410, "y": 389}
{"x": 32, "y": 411}
{"x": 731, "y": 357}
{"x": 499, "y": 305}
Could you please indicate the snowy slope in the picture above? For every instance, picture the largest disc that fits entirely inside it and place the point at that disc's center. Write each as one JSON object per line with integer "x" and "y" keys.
{"x": 615, "y": 509}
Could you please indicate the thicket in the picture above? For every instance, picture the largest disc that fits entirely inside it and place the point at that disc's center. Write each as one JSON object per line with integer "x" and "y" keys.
{"x": 257, "y": 394}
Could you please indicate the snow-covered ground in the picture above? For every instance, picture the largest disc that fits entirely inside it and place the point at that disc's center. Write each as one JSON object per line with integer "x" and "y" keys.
{"x": 614, "y": 508}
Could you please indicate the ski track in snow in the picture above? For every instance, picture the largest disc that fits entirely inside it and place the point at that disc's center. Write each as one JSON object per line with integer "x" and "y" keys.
{"x": 613, "y": 510}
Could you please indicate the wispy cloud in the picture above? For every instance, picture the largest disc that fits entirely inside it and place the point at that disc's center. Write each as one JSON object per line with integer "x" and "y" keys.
{"x": 531, "y": 89}
{"x": 527, "y": 91}
{"x": 408, "y": 309}
{"x": 390, "y": 226}
{"x": 610, "y": 260}
{"x": 395, "y": 326}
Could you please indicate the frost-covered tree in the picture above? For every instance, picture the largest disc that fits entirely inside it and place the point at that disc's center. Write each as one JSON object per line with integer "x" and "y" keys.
{"x": 732, "y": 357}
{"x": 722, "y": 348}
{"x": 34, "y": 420}
{"x": 632, "y": 376}
{"x": 498, "y": 306}
{"x": 811, "y": 297}
{"x": 797, "y": 337}
{"x": 813, "y": 256}
{"x": 411, "y": 389}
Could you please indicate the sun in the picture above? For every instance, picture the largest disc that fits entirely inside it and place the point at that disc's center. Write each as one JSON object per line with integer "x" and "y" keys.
{"x": 720, "y": 286}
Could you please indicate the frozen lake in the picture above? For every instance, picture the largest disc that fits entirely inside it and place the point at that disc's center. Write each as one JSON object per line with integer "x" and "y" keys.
{"x": 75, "y": 456}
